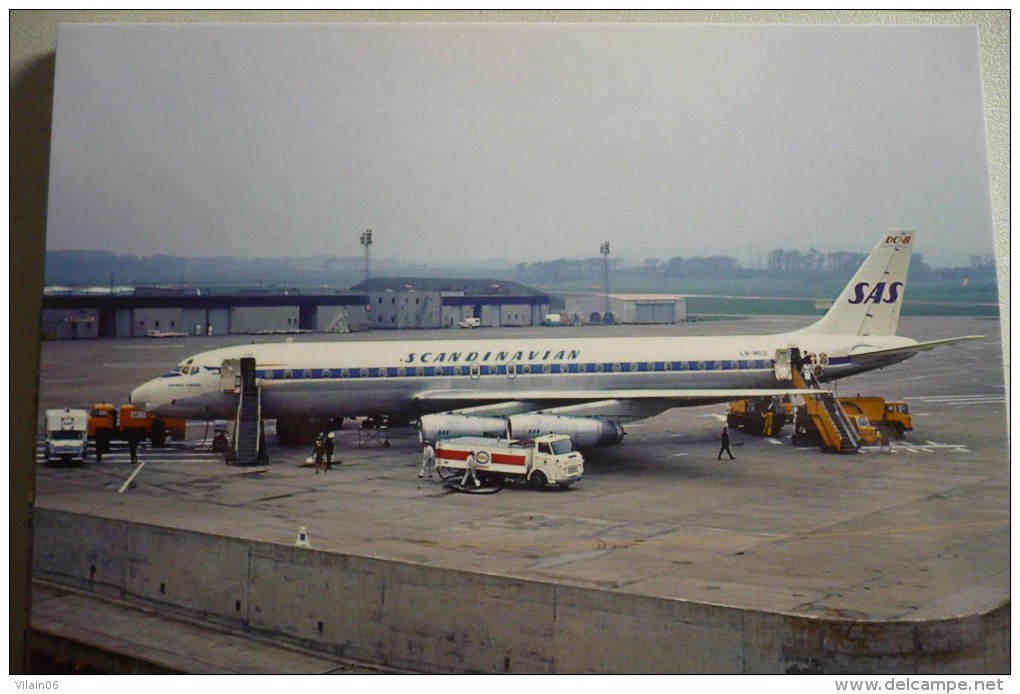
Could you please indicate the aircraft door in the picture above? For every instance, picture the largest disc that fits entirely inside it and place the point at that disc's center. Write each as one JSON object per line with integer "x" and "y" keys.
{"x": 784, "y": 364}
{"x": 230, "y": 376}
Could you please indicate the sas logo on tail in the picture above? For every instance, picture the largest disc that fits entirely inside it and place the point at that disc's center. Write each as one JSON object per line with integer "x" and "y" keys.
{"x": 877, "y": 294}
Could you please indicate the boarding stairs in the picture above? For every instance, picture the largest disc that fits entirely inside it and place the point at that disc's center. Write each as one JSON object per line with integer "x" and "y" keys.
{"x": 339, "y": 324}
{"x": 835, "y": 430}
{"x": 249, "y": 444}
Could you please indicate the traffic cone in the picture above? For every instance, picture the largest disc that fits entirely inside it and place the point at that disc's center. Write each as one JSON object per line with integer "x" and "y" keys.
{"x": 302, "y": 538}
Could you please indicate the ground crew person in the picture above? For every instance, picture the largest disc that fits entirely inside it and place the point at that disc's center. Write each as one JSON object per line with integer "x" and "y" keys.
{"x": 428, "y": 460}
{"x": 724, "y": 442}
{"x": 470, "y": 472}
{"x": 134, "y": 438}
{"x": 327, "y": 444}
{"x": 319, "y": 454}
{"x": 102, "y": 443}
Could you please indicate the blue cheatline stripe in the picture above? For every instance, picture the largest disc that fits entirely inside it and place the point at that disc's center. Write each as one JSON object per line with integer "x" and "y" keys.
{"x": 524, "y": 369}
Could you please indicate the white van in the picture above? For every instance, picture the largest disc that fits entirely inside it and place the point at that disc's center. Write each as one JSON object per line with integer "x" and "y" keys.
{"x": 66, "y": 435}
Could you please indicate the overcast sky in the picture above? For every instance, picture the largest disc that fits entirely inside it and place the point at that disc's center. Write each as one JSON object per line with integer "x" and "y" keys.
{"x": 463, "y": 142}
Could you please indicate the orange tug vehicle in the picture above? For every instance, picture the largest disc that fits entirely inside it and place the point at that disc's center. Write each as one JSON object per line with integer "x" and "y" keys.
{"x": 108, "y": 423}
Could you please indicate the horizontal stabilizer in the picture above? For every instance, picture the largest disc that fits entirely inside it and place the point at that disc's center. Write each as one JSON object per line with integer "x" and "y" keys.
{"x": 866, "y": 357}
{"x": 895, "y": 354}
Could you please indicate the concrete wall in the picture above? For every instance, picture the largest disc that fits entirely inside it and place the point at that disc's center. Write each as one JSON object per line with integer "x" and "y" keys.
{"x": 193, "y": 321}
{"x": 244, "y": 319}
{"x": 357, "y": 317}
{"x": 443, "y": 620}
{"x": 452, "y": 315}
{"x": 515, "y": 315}
{"x": 631, "y": 309}
{"x": 162, "y": 319}
{"x": 404, "y": 310}
{"x": 60, "y": 324}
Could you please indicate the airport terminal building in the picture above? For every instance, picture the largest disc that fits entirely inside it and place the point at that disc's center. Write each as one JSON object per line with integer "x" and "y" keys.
{"x": 377, "y": 304}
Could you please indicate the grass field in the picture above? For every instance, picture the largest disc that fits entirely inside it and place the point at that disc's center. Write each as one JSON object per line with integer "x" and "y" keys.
{"x": 775, "y": 296}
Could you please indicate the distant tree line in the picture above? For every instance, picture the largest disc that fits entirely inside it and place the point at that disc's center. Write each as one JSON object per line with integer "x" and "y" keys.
{"x": 102, "y": 268}
{"x": 780, "y": 263}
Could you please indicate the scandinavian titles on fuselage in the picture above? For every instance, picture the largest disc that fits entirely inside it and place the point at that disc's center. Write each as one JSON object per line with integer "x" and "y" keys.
{"x": 497, "y": 356}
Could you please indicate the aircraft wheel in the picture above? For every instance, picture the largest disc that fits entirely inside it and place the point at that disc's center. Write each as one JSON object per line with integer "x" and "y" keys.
{"x": 220, "y": 443}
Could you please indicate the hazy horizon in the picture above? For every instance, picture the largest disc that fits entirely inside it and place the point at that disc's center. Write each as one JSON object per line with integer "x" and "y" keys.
{"x": 464, "y": 142}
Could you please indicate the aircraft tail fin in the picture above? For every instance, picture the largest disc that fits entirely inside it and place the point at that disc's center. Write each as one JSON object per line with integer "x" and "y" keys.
{"x": 870, "y": 304}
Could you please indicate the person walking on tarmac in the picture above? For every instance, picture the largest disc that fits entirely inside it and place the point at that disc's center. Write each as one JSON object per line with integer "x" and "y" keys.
{"x": 134, "y": 438}
{"x": 472, "y": 463}
{"x": 327, "y": 445}
{"x": 428, "y": 460}
{"x": 319, "y": 455}
{"x": 724, "y": 444}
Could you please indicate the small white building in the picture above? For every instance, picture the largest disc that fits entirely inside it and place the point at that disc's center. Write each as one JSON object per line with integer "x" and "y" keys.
{"x": 629, "y": 309}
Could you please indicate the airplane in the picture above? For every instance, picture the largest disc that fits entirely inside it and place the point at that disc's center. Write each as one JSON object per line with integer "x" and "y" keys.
{"x": 587, "y": 388}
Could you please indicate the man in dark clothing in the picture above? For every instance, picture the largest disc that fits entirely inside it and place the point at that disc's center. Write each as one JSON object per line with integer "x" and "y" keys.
{"x": 327, "y": 443}
{"x": 134, "y": 438}
{"x": 319, "y": 454}
{"x": 725, "y": 444}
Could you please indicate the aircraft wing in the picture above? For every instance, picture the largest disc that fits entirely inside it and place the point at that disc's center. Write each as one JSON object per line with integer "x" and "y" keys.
{"x": 678, "y": 397}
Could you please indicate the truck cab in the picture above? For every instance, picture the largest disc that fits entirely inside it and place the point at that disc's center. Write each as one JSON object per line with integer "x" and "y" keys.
{"x": 107, "y": 422}
{"x": 891, "y": 415}
{"x": 555, "y": 461}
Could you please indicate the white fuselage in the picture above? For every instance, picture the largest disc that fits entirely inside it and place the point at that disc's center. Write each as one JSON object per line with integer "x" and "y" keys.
{"x": 397, "y": 377}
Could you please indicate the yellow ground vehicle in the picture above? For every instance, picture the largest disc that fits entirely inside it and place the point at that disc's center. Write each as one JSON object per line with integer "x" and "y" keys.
{"x": 765, "y": 416}
{"x": 108, "y": 423}
{"x": 891, "y": 415}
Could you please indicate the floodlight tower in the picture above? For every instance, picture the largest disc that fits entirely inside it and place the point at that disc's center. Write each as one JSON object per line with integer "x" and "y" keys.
{"x": 604, "y": 250}
{"x": 366, "y": 242}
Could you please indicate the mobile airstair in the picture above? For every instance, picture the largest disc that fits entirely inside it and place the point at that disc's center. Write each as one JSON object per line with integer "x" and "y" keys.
{"x": 824, "y": 415}
{"x": 248, "y": 446}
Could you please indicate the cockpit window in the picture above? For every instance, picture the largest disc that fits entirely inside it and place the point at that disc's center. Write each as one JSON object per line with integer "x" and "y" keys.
{"x": 181, "y": 369}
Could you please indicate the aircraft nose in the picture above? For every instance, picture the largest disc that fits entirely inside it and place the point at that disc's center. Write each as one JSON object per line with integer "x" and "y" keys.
{"x": 141, "y": 396}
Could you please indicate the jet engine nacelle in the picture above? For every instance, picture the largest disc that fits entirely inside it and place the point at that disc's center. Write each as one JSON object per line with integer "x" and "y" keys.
{"x": 436, "y": 427}
{"x": 584, "y": 432}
